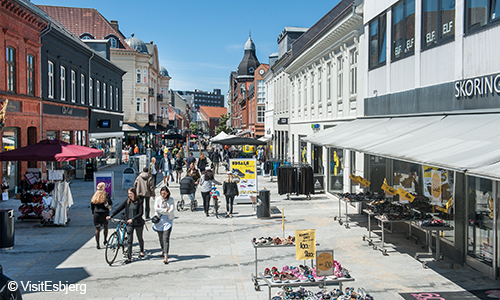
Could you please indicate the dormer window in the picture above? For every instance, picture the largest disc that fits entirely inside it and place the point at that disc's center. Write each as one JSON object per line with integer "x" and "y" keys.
{"x": 113, "y": 40}
{"x": 86, "y": 36}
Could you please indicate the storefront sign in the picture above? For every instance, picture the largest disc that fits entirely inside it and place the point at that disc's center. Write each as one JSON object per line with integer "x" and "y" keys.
{"x": 246, "y": 170}
{"x": 388, "y": 189}
{"x": 477, "y": 86}
{"x": 108, "y": 179}
{"x": 324, "y": 262}
{"x": 128, "y": 178}
{"x": 305, "y": 244}
{"x": 405, "y": 196}
{"x": 64, "y": 110}
{"x": 283, "y": 121}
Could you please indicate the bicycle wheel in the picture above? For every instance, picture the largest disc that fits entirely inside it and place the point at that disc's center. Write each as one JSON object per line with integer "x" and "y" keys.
{"x": 112, "y": 248}
{"x": 216, "y": 208}
{"x": 194, "y": 205}
{"x": 180, "y": 205}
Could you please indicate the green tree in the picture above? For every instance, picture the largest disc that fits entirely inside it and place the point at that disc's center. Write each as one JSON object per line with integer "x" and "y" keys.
{"x": 222, "y": 125}
{"x": 193, "y": 128}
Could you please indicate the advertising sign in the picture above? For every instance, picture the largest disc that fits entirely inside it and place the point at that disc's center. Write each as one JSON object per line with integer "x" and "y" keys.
{"x": 246, "y": 170}
{"x": 305, "y": 244}
{"x": 108, "y": 179}
{"x": 128, "y": 178}
{"x": 435, "y": 184}
{"x": 324, "y": 262}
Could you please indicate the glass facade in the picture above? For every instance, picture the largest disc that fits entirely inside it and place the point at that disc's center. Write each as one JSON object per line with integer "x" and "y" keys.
{"x": 10, "y": 168}
{"x": 336, "y": 170}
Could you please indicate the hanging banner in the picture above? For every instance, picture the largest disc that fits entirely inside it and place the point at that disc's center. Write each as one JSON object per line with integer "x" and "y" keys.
{"x": 435, "y": 184}
{"x": 108, "y": 179}
{"x": 305, "y": 244}
{"x": 363, "y": 181}
{"x": 246, "y": 170}
{"x": 435, "y": 187}
{"x": 324, "y": 263}
{"x": 388, "y": 189}
{"x": 404, "y": 196}
{"x": 354, "y": 179}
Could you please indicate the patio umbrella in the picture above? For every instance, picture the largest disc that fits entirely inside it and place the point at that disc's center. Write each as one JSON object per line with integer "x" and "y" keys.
{"x": 174, "y": 136}
{"x": 50, "y": 150}
{"x": 234, "y": 140}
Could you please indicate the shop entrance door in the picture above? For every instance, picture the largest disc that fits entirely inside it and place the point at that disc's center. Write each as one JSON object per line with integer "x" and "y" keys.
{"x": 377, "y": 173}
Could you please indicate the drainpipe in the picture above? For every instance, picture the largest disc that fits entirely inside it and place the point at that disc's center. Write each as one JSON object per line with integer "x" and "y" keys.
{"x": 42, "y": 33}
{"x": 90, "y": 79}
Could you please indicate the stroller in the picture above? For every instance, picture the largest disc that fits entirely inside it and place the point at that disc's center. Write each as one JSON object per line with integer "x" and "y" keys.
{"x": 187, "y": 188}
{"x": 181, "y": 204}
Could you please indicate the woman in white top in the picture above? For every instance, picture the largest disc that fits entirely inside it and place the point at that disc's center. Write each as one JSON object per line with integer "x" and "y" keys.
{"x": 164, "y": 208}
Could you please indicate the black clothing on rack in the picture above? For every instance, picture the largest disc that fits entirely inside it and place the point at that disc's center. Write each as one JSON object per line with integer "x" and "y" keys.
{"x": 297, "y": 180}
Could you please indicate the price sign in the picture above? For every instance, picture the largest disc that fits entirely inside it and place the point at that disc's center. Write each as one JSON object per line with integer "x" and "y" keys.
{"x": 324, "y": 262}
{"x": 388, "y": 189}
{"x": 305, "y": 244}
{"x": 405, "y": 195}
{"x": 363, "y": 181}
{"x": 354, "y": 179}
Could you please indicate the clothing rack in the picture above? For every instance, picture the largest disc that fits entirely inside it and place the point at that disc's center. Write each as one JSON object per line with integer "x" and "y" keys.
{"x": 272, "y": 165}
{"x": 296, "y": 178}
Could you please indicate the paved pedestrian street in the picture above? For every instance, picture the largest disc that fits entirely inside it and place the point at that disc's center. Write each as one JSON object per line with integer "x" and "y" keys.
{"x": 213, "y": 258}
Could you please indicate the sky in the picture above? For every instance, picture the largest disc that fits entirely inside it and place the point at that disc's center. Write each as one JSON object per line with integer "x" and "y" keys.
{"x": 200, "y": 42}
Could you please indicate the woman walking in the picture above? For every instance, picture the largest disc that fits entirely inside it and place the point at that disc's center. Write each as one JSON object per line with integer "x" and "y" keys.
{"x": 100, "y": 205}
{"x": 202, "y": 162}
{"x": 206, "y": 181}
{"x": 133, "y": 215}
{"x": 153, "y": 169}
{"x": 193, "y": 172}
{"x": 164, "y": 208}
{"x": 230, "y": 189}
{"x": 179, "y": 163}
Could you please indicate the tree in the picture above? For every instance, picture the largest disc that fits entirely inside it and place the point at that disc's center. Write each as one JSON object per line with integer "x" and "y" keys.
{"x": 223, "y": 125}
{"x": 193, "y": 127}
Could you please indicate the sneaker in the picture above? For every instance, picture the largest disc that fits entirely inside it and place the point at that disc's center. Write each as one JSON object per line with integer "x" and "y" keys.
{"x": 267, "y": 273}
{"x": 249, "y": 172}
{"x": 276, "y": 277}
{"x": 238, "y": 173}
{"x": 291, "y": 278}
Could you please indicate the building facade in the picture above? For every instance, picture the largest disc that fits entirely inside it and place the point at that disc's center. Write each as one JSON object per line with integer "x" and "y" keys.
{"x": 202, "y": 98}
{"x": 212, "y": 116}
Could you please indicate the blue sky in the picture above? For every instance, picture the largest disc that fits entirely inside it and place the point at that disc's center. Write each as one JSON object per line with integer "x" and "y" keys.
{"x": 201, "y": 42}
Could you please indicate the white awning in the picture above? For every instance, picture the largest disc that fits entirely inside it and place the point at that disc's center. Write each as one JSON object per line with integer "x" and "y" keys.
{"x": 456, "y": 142}
{"x": 105, "y": 135}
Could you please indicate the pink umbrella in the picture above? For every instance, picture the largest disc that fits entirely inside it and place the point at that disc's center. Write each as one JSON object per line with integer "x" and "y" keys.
{"x": 50, "y": 150}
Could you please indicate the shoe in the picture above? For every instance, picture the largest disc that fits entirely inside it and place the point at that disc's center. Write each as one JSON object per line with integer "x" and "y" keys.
{"x": 105, "y": 242}
{"x": 127, "y": 261}
{"x": 98, "y": 247}
{"x": 276, "y": 277}
{"x": 267, "y": 273}
{"x": 249, "y": 172}
{"x": 230, "y": 216}
{"x": 207, "y": 214}
{"x": 238, "y": 173}
{"x": 165, "y": 261}
{"x": 142, "y": 254}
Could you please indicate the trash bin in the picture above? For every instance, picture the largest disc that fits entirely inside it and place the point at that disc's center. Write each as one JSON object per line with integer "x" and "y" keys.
{"x": 264, "y": 204}
{"x": 6, "y": 228}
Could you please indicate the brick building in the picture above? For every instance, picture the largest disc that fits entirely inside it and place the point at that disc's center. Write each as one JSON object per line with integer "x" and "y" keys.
{"x": 212, "y": 116}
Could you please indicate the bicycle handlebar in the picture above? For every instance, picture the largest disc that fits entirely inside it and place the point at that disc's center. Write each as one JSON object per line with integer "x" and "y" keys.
{"x": 118, "y": 220}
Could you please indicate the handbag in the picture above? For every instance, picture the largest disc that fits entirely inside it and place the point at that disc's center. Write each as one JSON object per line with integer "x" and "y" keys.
{"x": 155, "y": 219}
{"x": 108, "y": 206}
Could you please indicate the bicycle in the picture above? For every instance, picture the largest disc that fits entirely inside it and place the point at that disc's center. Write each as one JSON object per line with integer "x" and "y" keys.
{"x": 115, "y": 241}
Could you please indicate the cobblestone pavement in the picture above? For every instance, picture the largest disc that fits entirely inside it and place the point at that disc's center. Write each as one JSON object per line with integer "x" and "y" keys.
{"x": 212, "y": 258}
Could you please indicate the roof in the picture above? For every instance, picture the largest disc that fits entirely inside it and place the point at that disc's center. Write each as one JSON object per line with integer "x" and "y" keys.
{"x": 81, "y": 20}
{"x": 213, "y": 111}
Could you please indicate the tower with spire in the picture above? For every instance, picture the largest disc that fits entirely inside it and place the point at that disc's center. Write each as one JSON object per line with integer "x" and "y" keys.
{"x": 249, "y": 62}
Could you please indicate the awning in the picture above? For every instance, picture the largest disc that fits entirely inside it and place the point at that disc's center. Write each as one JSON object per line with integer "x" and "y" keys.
{"x": 235, "y": 140}
{"x": 456, "y": 142}
{"x": 131, "y": 127}
{"x": 105, "y": 135}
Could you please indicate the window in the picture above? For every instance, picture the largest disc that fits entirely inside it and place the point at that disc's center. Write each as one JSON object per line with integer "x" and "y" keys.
{"x": 138, "y": 76}
{"x": 98, "y": 94}
{"x": 144, "y": 76}
{"x": 377, "y": 42}
{"x": 50, "y": 70}
{"x": 117, "y": 107}
{"x": 403, "y": 29}
{"x": 82, "y": 89}
{"x": 104, "y": 96}
{"x": 111, "y": 99}
{"x": 353, "y": 72}
{"x": 144, "y": 106}
{"x": 438, "y": 22}
{"x": 162, "y": 111}
{"x": 340, "y": 69}
{"x": 73, "y": 86}
{"x": 11, "y": 70}
{"x": 113, "y": 42}
{"x": 312, "y": 89}
{"x": 261, "y": 92}
{"x": 319, "y": 85}
{"x": 30, "y": 60}
{"x": 63, "y": 82}
{"x": 481, "y": 12}
{"x": 138, "y": 105}
{"x": 91, "y": 92}
{"x": 261, "y": 111}
{"x": 329, "y": 81}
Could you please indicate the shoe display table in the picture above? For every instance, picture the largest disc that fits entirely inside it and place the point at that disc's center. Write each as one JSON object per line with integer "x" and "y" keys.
{"x": 428, "y": 231}
{"x": 320, "y": 283}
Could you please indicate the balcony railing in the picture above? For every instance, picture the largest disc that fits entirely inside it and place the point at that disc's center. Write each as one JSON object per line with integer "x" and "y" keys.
{"x": 151, "y": 92}
{"x": 152, "y": 118}
{"x": 159, "y": 97}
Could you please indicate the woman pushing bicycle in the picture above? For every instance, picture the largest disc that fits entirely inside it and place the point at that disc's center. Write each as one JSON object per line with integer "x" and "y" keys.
{"x": 133, "y": 215}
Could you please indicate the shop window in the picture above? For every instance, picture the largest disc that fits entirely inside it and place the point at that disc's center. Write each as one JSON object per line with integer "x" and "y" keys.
{"x": 480, "y": 13}
{"x": 91, "y": 92}
{"x": 98, "y": 93}
{"x": 50, "y": 77}
{"x": 138, "y": 76}
{"x": 403, "y": 29}
{"x": 73, "y": 86}
{"x": 336, "y": 166}
{"x": 480, "y": 239}
{"x": 377, "y": 48}
{"x": 62, "y": 80}
{"x": 66, "y": 136}
{"x": 10, "y": 168}
{"x": 82, "y": 89}
{"x": 52, "y": 135}
{"x": 438, "y": 22}
{"x": 11, "y": 70}
{"x": 30, "y": 64}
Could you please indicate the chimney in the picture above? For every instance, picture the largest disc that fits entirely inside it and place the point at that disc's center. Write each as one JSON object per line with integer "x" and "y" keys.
{"x": 114, "y": 24}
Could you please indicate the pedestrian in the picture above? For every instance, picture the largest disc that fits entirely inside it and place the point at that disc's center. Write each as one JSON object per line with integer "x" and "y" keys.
{"x": 202, "y": 162}
{"x": 179, "y": 163}
{"x": 145, "y": 188}
{"x": 100, "y": 205}
{"x": 190, "y": 159}
{"x": 216, "y": 160}
{"x": 187, "y": 187}
{"x": 206, "y": 181}
{"x": 153, "y": 169}
{"x": 164, "y": 209}
{"x": 175, "y": 151}
{"x": 165, "y": 167}
{"x": 136, "y": 149}
{"x": 181, "y": 151}
{"x": 130, "y": 151}
{"x": 133, "y": 215}
{"x": 230, "y": 189}
{"x": 193, "y": 172}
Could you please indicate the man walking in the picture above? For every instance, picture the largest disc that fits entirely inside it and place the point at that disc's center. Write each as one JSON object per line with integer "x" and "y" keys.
{"x": 165, "y": 166}
{"x": 190, "y": 159}
{"x": 216, "y": 160}
{"x": 145, "y": 188}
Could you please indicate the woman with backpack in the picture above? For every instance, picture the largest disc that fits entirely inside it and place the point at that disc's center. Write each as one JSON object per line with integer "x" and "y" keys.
{"x": 230, "y": 189}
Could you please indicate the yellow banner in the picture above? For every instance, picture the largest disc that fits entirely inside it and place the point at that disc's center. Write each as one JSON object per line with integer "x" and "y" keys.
{"x": 449, "y": 203}
{"x": 388, "y": 189}
{"x": 354, "y": 178}
{"x": 405, "y": 195}
{"x": 305, "y": 244}
{"x": 363, "y": 181}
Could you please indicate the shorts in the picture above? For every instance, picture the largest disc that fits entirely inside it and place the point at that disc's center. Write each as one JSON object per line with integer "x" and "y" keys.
{"x": 165, "y": 173}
